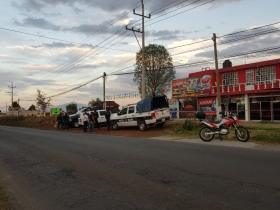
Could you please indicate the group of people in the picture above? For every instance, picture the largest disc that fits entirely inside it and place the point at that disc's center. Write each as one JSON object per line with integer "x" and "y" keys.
{"x": 62, "y": 121}
{"x": 91, "y": 121}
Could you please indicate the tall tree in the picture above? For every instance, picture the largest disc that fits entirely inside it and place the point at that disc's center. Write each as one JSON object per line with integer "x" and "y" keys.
{"x": 42, "y": 101}
{"x": 32, "y": 107}
{"x": 93, "y": 102}
{"x": 72, "y": 108}
{"x": 159, "y": 69}
{"x": 15, "y": 105}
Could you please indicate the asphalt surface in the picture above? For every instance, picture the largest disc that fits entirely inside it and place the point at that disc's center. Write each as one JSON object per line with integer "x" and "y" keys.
{"x": 60, "y": 170}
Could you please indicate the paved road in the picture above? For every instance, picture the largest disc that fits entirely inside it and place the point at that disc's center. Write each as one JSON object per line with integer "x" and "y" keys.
{"x": 60, "y": 170}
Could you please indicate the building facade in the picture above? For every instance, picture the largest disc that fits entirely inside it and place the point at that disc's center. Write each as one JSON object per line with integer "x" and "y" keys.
{"x": 251, "y": 90}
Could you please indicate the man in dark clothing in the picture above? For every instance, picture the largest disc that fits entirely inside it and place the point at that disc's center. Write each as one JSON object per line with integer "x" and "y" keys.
{"x": 59, "y": 121}
{"x": 95, "y": 116}
{"x": 65, "y": 121}
{"x": 107, "y": 116}
{"x": 91, "y": 122}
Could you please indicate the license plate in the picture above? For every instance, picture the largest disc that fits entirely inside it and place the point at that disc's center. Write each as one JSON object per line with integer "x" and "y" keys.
{"x": 163, "y": 120}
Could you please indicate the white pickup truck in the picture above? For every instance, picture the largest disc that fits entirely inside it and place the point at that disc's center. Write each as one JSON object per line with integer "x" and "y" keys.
{"x": 101, "y": 117}
{"x": 148, "y": 112}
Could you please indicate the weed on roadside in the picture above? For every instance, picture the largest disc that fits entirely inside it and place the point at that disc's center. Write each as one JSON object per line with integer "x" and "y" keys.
{"x": 4, "y": 203}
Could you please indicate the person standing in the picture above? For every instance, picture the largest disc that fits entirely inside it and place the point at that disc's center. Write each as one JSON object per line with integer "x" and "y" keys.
{"x": 65, "y": 121}
{"x": 59, "y": 121}
{"x": 84, "y": 118}
{"x": 107, "y": 116}
{"x": 91, "y": 122}
{"x": 95, "y": 116}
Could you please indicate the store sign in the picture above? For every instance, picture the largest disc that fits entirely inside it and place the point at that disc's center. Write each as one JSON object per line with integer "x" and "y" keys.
{"x": 206, "y": 101}
{"x": 207, "y": 105}
{"x": 55, "y": 110}
{"x": 173, "y": 106}
{"x": 196, "y": 86}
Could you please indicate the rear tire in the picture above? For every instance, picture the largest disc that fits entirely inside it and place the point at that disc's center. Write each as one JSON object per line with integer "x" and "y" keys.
{"x": 242, "y": 134}
{"x": 142, "y": 125}
{"x": 204, "y": 136}
{"x": 115, "y": 126}
{"x": 160, "y": 125}
{"x": 76, "y": 124}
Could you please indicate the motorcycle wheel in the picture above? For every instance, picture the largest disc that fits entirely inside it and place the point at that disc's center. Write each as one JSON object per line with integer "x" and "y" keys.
{"x": 242, "y": 134}
{"x": 204, "y": 136}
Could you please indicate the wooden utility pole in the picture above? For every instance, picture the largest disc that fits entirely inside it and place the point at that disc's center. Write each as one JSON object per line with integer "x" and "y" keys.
{"x": 218, "y": 103}
{"x": 12, "y": 94}
{"x": 104, "y": 103}
{"x": 143, "y": 47}
{"x": 18, "y": 107}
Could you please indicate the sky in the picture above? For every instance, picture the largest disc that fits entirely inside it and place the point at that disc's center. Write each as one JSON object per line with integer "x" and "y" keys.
{"x": 62, "y": 47}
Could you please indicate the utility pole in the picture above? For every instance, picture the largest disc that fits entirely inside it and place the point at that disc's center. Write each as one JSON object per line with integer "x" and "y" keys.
{"x": 143, "y": 47}
{"x": 12, "y": 92}
{"x": 218, "y": 104}
{"x": 104, "y": 77}
{"x": 18, "y": 107}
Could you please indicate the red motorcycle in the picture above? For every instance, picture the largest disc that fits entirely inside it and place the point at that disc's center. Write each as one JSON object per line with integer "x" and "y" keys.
{"x": 222, "y": 127}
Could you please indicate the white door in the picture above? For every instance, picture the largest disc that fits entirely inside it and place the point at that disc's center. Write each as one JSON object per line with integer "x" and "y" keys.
{"x": 101, "y": 118}
{"x": 131, "y": 121}
{"x": 249, "y": 80}
{"x": 122, "y": 117}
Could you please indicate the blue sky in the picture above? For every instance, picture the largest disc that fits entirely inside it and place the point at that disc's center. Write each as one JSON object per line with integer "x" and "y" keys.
{"x": 41, "y": 42}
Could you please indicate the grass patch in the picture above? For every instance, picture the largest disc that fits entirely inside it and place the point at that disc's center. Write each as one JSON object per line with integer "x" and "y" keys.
{"x": 27, "y": 122}
{"x": 4, "y": 202}
{"x": 267, "y": 133}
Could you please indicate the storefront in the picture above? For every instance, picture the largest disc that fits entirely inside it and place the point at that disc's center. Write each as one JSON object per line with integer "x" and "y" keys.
{"x": 265, "y": 108}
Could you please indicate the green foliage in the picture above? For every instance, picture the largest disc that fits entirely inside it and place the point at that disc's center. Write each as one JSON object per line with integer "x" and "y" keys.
{"x": 93, "y": 102}
{"x": 32, "y": 107}
{"x": 159, "y": 69}
{"x": 72, "y": 108}
{"x": 189, "y": 125}
{"x": 42, "y": 101}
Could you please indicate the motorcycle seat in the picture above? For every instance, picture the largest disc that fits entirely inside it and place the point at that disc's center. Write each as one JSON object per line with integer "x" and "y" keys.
{"x": 216, "y": 122}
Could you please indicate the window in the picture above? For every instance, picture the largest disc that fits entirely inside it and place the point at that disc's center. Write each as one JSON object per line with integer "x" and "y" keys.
{"x": 230, "y": 79}
{"x": 265, "y": 75}
{"x": 250, "y": 77}
{"x": 102, "y": 113}
{"x": 131, "y": 110}
{"x": 124, "y": 111}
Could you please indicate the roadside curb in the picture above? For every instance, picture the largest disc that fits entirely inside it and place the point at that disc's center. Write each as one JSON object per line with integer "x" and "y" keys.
{"x": 226, "y": 143}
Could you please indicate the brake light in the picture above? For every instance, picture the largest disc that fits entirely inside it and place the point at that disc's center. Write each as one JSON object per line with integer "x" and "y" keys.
{"x": 153, "y": 115}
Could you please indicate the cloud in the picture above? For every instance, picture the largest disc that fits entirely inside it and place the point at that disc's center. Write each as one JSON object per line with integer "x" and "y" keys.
{"x": 109, "y": 6}
{"x": 58, "y": 45}
{"x": 37, "y": 23}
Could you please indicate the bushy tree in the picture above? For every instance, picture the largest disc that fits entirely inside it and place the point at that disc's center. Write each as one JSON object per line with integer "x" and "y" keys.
{"x": 42, "y": 102}
{"x": 159, "y": 69}
{"x": 93, "y": 102}
{"x": 72, "y": 108}
{"x": 32, "y": 107}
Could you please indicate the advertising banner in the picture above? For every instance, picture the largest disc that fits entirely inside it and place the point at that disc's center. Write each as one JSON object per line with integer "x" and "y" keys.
{"x": 197, "y": 86}
{"x": 55, "y": 110}
{"x": 173, "y": 105}
{"x": 207, "y": 105}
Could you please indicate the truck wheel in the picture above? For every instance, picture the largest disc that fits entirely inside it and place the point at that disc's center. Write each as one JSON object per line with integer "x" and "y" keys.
{"x": 160, "y": 125}
{"x": 142, "y": 125}
{"x": 115, "y": 126}
{"x": 76, "y": 124}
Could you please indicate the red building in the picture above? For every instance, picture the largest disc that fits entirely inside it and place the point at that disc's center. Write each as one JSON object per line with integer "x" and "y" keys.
{"x": 252, "y": 90}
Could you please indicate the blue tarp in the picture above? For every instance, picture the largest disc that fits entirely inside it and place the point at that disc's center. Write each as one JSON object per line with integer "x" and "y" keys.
{"x": 149, "y": 104}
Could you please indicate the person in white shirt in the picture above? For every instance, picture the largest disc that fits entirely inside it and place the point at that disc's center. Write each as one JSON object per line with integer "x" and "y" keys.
{"x": 84, "y": 118}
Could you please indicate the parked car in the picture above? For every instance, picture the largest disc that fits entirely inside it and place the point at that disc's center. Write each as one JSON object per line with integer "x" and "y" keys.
{"x": 148, "y": 112}
{"x": 74, "y": 118}
{"x": 101, "y": 117}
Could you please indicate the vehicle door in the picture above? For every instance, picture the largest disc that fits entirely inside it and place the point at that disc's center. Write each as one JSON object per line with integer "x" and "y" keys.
{"x": 101, "y": 118}
{"x": 131, "y": 120}
{"x": 122, "y": 117}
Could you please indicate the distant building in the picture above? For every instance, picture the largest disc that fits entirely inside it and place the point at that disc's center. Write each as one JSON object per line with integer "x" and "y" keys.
{"x": 110, "y": 105}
